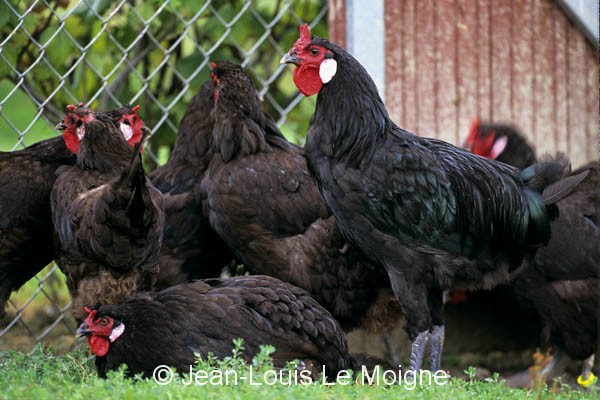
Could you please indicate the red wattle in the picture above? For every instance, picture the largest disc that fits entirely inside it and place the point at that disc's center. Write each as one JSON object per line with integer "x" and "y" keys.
{"x": 99, "y": 345}
{"x": 71, "y": 142}
{"x": 307, "y": 80}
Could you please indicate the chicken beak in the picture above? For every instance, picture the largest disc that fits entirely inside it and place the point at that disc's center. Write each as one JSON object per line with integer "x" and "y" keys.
{"x": 61, "y": 126}
{"x": 83, "y": 329}
{"x": 290, "y": 58}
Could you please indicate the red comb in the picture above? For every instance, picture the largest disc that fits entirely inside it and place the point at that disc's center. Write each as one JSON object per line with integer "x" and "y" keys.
{"x": 135, "y": 109}
{"x": 91, "y": 313}
{"x": 304, "y": 35}
{"x": 213, "y": 64}
{"x": 473, "y": 129}
{"x": 71, "y": 107}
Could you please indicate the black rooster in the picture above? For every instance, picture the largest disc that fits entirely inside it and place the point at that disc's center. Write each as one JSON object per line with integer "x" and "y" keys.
{"x": 107, "y": 218}
{"x": 260, "y": 198}
{"x": 190, "y": 249}
{"x": 432, "y": 215}
{"x": 168, "y": 327}
{"x": 26, "y": 178}
{"x": 564, "y": 284}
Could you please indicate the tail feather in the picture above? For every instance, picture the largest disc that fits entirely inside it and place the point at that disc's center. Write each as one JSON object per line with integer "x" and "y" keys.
{"x": 547, "y": 182}
{"x": 557, "y": 191}
{"x": 547, "y": 171}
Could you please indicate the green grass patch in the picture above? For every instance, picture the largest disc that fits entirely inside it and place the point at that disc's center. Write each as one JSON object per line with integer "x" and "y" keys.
{"x": 44, "y": 374}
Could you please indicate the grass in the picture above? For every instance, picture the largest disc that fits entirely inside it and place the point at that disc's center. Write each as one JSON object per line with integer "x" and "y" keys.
{"x": 43, "y": 374}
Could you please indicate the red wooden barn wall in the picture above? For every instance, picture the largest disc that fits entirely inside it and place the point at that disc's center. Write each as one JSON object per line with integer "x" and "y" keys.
{"x": 518, "y": 61}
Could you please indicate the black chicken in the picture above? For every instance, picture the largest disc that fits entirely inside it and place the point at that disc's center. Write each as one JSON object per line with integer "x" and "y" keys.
{"x": 432, "y": 215}
{"x": 26, "y": 178}
{"x": 168, "y": 327}
{"x": 564, "y": 284}
{"x": 260, "y": 198}
{"x": 190, "y": 249}
{"x": 107, "y": 218}
{"x": 500, "y": 142}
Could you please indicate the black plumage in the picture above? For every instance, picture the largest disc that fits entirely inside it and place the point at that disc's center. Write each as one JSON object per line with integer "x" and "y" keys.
{"x": 501, "y": 142}
{"x": 107, "y": 218}
{"x": 260, "y": 198}
{"x": 26, "y": 178}
{"x": 431, "y": 215}
{"x": 564, "y": 281}
{"x": 191, "y": 249}
{"x": 168, "y": 327}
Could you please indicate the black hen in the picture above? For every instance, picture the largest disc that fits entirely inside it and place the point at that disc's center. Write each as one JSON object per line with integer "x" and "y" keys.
{"x": 26, "y": 178}
{"x": 433, "y": 216}
{"x": 191, "y": 249}
{"x": 500, "y": 142}
{"x": 563, "y": 286}
{"x": 168, "y": 327}
{"x": 107, "y": 218}
{"x": 260, "y": 198}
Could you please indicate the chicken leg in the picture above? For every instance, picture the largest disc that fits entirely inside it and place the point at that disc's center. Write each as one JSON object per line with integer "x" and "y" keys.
{"x": 587, "y": 377}
{"x": 436, "y": 345}
{"x": 392, "y": 354}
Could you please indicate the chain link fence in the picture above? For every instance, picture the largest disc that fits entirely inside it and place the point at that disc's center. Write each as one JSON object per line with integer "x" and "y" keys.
{"x": 107, "y": 53}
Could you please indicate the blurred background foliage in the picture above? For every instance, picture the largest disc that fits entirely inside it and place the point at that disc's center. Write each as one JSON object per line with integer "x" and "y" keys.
{"x": 155, "y": 53}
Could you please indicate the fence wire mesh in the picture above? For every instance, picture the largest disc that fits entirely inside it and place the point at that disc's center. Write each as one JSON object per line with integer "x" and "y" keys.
{"x": 155, "y": 53}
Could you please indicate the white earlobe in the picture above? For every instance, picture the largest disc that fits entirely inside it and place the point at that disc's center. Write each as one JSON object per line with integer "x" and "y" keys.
{"x": 499, "y": 147}
{"x": 327, "y": 70}
{"x": 118, "y": 331}
{"x": 127, "y": 131}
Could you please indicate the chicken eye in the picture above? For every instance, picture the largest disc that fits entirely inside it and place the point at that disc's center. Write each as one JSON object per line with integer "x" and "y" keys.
{"x": 126, "y": 122}
{"x": 103, "y": 322}
{"x": 71, "y": 120}
{"x": 314, "y": 51}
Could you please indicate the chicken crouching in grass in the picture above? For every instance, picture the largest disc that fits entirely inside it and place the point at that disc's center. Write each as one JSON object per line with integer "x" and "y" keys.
{"x": 107, "y": 216}
{"x": 171, "y": 326}
{"x": 432, "y": 215}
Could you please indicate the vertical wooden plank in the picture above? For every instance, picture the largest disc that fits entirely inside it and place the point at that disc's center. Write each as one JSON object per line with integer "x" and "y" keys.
{"x": 544, "y": 74}
{"x": 577, "y": 95}
{"x": 409, "y": 69}
{"x": 561, "y": 27}
{"x": 523, "y": 67}
{"x": 483, "y": 46}
{"x": 501, "y": 60}
{"x": 467, "y": 59}
{"x": 336, "y": 22}
{"x": 593, "y": 105}
{"x": 425, "y": 58}
{"x": 446, "y": 129}
{"x": 394, "y": 60}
